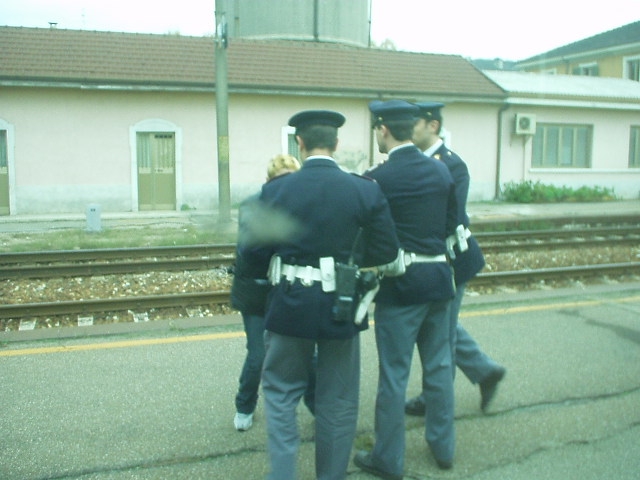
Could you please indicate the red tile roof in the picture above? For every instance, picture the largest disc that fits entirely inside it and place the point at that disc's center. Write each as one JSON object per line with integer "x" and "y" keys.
{"x": 172, "y": 61}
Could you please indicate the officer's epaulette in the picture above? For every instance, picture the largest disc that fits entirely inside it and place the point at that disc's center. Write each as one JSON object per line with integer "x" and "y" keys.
{"x": 363, "y": 175}
{"x": 375, "y": 166}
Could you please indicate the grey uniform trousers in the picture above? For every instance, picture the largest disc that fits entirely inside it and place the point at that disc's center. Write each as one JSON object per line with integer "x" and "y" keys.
{"x": 474, "y": 363}
{"x": 398, "y": 328}
{"x": 284, "y": 379}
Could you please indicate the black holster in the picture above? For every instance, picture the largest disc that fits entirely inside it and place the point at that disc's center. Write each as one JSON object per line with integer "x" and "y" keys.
{"x": 346, "y": 289}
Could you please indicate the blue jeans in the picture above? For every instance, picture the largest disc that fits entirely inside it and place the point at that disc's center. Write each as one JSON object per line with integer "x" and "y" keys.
{"x": 247, "y": 396}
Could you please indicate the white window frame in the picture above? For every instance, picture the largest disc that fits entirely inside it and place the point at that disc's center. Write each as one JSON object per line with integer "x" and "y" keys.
{"x": 625, "y": 67}
{"x": 585, "y": 68}
{"x": 286, "y": 132}
{"x": 542, "y": 132}
{"x": 634, "y": 147}
{"x": 11, "y": 167}
{"x": 446, "y": 136}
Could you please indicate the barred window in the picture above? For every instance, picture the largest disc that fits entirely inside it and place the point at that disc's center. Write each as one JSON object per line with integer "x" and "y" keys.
{"x": 634, "y": 148}
{"x": 156, "y": 150}
{"x": 632, "y": 68}
{"x": 289, "y": 144}
{"x": 3, "y": 151}
{"x": 562, "y": 146}
{"x": 587, "y": 69}
{"x": 293, "y": 148}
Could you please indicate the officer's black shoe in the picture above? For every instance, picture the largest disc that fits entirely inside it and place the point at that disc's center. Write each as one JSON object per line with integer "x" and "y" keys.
{"x": 363, "y": 461}
{"x": 415, "y": 406}
{"x": 489, "y": 385}
{"x": 444, "y": 464}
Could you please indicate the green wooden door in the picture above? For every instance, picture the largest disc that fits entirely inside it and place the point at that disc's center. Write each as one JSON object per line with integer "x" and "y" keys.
{"x": 156, "y": 171}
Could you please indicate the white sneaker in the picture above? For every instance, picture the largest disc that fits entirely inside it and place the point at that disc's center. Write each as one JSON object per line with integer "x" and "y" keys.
{"x": 243, "y": 421}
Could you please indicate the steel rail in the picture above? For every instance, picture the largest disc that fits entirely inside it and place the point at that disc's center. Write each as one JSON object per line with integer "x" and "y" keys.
{"x": 557, "y": 244}
{"x": 101, "y": 254}
{"x": 545, "y": 235}
{"x": 17, "y": 311}
{"x": 72, "y": 263}
{"x": 514, "y": 223}
{"x": 113, "y": 304}
{"x": 576, "y": 272}
{"x": 92, "y": 269}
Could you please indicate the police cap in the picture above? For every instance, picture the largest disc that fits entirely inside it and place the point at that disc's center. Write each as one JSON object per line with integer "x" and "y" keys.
{"x": 430, "y": 110}
{"x": 392, "y": 110}
{"x": 317, "y": 117}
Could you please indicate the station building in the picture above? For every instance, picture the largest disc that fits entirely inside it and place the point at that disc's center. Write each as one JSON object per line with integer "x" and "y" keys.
{"x": 128, "y": 121}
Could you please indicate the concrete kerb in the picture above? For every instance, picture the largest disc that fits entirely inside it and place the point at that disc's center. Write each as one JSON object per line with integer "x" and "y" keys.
{"x": 184, "y": 325}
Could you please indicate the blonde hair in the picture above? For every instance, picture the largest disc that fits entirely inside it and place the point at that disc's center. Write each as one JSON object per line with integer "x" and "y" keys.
{"x": 282, "y": 164}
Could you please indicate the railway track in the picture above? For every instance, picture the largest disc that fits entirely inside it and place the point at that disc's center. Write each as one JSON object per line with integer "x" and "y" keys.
{"x": 77, "y": 263}
{"x": 86, "y": 263}
{"x": 185, "y": 300}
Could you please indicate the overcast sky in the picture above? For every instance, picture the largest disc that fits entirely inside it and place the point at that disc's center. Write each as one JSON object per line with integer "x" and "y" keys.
{"x": 471, "y": 28}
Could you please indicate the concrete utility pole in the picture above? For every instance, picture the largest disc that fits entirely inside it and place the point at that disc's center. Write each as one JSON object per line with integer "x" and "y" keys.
{"x": 222, "y": 116}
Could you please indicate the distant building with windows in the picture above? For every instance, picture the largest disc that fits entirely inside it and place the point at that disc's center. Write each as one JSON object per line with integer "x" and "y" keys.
{"x": 615, "y": 53}
{"x": 570, "y": 131}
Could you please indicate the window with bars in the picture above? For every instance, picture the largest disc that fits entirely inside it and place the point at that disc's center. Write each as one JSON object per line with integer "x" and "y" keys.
{"x": 562, "y": 146}
{"x": 289, "y": 144}
{"x": 292, "y": 146}
{"x": 156, "y": 150}
{"x": 634, "y": 148}
{"x": 587, "y": 69}
{"x": 632, "y": 68}
{"x": 3, "y": 151}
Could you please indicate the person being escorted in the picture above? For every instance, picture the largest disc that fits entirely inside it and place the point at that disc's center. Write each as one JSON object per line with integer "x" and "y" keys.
{"x": 345, "y": 223}
{"x": 413, "y": 309}
{"x": 466, "y": 258}
{"x": 249, "y": 295}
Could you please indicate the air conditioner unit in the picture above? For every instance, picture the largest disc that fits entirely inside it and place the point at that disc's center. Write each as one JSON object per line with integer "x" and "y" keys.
{"x": 525, "y": 124}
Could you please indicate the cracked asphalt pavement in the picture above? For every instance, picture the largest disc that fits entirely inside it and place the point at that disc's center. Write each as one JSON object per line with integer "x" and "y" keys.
{"x": 157, "y": 403}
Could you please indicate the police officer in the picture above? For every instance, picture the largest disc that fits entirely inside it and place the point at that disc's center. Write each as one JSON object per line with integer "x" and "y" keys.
{"x": 345, "y": 221}
{"x": 467, "y": 261}
{"x": 249, "y": 295}
{"x": 413, "y": 309}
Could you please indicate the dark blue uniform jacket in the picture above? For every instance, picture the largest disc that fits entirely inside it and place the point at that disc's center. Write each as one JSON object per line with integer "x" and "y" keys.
{"x": 467, "y": 264}
{"x": 330, "y": 206}
{"x": 250, "y": 287}
{"x": 421, "y": 194}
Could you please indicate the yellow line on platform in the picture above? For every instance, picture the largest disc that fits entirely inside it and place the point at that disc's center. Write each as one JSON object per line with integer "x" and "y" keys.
{"x": 120, "y": 344}
{"x": 553, "y": 306}
{"x": 219, "y": 336}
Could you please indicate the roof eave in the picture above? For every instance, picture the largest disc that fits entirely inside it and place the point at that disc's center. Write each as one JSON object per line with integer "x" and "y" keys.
{"x": 541, "y": 61}
{"x": 109, "y": 85}
{"x": 549, "y": 101}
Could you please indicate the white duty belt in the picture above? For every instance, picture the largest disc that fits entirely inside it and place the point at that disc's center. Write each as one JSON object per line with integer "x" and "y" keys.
{"x": 410, "y": 258}
{"x": 307, "y": 275}
{"x": 460, "y": 238}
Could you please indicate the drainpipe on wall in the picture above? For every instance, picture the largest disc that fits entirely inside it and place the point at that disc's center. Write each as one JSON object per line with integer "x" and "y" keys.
{"x": 316, "y": 29}
{"x": 503, "y": 109}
